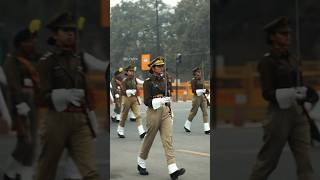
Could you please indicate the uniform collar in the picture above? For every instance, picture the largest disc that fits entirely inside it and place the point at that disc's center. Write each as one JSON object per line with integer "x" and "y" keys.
{"x": 278, "y": 54}
{"x": 60, "y": 51}
{"x": 156, "y": 77}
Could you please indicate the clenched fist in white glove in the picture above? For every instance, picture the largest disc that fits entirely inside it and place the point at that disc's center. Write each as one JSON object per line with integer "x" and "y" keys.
{"x": 301, "y": 92}
{"x": 117, "y": 96}
{"x": 199, "y": 92}
{"x": 285, "y": 97}
{"x": 131, "y": 92}
{"x": 158, "y": 102}
{"x": 23, "y": 109}
{"x": 62, "y": 97}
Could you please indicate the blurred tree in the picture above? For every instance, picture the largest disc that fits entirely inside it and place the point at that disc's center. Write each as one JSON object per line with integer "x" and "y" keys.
{"x": 185, "y": 30}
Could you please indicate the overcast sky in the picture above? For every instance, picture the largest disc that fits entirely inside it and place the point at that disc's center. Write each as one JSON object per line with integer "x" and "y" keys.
{"x": 172, "y": 3}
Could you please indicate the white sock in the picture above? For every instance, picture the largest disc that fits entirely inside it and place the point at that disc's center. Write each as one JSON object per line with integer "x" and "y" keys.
{"x": 172, "y": 168}
{"x": 141, "y": 162}
{"x": 140, "y": 129}
{"x": 12, "y": 167}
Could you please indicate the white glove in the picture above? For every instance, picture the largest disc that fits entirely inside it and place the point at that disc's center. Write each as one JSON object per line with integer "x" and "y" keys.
{"x": 301, "y": 92}
{"x": 285, "y": 97}
{"x": 134, "y": 91}
{"x": 23, "y": 109}
{"x": 75, "y": 96}
{"x": 204, "y": 91}
{"x": 128, "y": 92}
{"x": 116, "y": 95}
{"x": 62, "y": 97}
{"x": 166, "y": 100}
{"x": 199, "y": 92}
{"x": 131, "y": 92}
{"x": 308, "y": 106}
{"x": 158, "y": 102}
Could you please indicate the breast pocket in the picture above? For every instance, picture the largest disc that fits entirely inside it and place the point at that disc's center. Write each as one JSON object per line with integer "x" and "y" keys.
{"x": 58, "y": 71}
{"x": 60, "y": 77}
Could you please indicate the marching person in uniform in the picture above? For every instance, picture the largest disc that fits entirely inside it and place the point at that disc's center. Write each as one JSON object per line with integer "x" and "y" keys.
{"x": 282, "y": 87}
{"x": 23, "y": 87}
{"x": 116, "y": 88}
{"x": 64, "y": 90}
{"x": 132, "y": 117}
{"x": 158, "y": 117}
{"x": 198, "y": 100}
{"x": 131, "y": 100}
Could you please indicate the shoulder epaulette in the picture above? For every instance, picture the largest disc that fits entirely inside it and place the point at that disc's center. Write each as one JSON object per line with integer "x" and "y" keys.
{"x": 267, "y": 54}
{"x": 46, "y": 55}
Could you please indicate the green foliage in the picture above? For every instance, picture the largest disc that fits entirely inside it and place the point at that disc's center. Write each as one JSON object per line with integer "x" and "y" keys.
{"x": 184, "y": 29}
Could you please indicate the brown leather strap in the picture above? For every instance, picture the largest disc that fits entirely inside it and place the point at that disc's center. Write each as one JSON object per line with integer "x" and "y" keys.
{"x": 33, "y": 72}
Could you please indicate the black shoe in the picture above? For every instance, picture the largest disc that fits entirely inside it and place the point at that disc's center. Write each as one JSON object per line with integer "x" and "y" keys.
{"x": 113, "y": 119}
{"x": 142, "y": 135}
{"x": 121, "y": 136}
{"x": 207, "y": 132}
{"x": 187, "y": 130}
{"x": 142, "y": 171}
{"x": 132, "y": 119}
{"x": 178, "y": 173}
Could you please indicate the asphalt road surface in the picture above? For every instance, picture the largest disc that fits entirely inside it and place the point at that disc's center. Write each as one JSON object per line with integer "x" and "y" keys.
{"x": 235, "y": 151}
{"x": 192, "y": 150}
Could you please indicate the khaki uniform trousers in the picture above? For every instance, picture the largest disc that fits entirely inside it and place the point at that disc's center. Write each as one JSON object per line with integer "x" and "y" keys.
{"x": 199, "y": 101}
{"x": 118, "y": 103}
{"x": 71, "y": 131}
{"x": 283, "y": 126}
{"x": 133, "y": 104}
{"x": 159, "y": 120}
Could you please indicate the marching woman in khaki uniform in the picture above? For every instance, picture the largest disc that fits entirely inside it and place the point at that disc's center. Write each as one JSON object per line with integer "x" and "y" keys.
{"x": 198, "y": 100}
{"x": 131, "y": 100}
{"x": 64, "y": 90}
{"x": 23, "y": 87}
{"x": 286, "y": 94}
{"x": 132, "y": 117}
{"x": 116, "y": 94}
{"x": 158, "y": 117}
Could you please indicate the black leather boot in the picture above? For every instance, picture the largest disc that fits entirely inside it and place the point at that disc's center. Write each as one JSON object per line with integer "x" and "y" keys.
{"x": 142, "y": 171}
{"x": 177, "y": 173}
{"x": 142, "y": 135}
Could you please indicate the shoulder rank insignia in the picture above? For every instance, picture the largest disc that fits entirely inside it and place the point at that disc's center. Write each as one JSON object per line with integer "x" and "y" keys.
{"x": 46, "y": 55}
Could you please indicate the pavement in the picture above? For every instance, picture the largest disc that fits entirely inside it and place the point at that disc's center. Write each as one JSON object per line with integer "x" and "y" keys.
{"x": 192, "y": 150}
{"x": 235, "y": 150}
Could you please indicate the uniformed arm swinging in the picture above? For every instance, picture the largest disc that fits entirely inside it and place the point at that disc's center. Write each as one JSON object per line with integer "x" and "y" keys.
{"x": 12, "y": 72}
